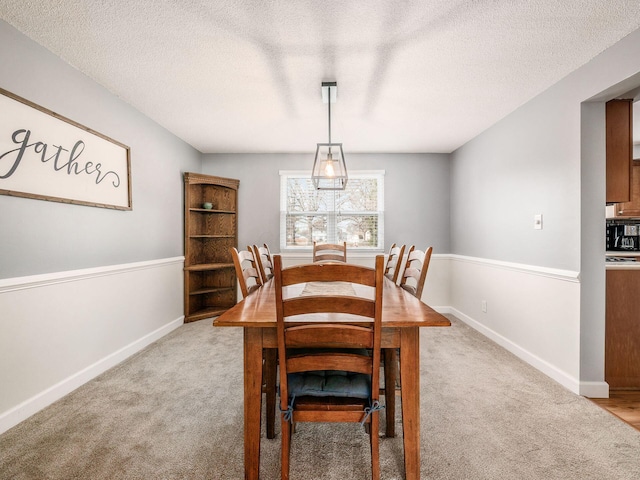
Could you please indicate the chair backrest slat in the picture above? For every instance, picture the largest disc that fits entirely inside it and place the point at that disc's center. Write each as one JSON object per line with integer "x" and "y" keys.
{"x": 320, "y": 272}
{"x": 329, "y": 336}
{"x": 340, "y": 361}
{"x": 325, "y": 304}
{"x": 246, "y": 270}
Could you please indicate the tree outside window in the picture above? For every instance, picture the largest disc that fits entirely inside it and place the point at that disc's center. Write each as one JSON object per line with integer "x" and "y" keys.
{"x": 353, "y": 215}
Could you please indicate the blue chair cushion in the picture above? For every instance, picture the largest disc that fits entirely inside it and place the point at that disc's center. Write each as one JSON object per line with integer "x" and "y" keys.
{"x": 329, "y": 383}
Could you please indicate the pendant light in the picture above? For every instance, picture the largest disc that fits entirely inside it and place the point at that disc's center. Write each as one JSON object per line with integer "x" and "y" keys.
{"x": 329, "y": 169}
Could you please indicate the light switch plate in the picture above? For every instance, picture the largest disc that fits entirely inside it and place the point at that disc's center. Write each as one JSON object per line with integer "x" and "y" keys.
{"x": 537, "y": 221}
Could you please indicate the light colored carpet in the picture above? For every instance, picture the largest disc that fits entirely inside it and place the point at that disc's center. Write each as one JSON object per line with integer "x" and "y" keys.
{"x": 174, "y": 411}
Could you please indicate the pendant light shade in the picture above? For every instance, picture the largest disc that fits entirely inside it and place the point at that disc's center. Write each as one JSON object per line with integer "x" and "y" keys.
{"x": 329, "y": 168}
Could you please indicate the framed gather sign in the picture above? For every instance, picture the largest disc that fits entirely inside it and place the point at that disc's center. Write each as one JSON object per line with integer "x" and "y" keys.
{"x": 46, "y": 156}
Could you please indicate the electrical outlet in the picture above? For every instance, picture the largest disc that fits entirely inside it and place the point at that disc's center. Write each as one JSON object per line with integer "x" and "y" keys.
{"x": 484, "y": 306}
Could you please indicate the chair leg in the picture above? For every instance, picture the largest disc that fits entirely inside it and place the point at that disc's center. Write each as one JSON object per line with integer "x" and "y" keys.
{"x": 390, "y": 376}
{"x": 270, "y": 373}
{"x": 285, "y": 432}
{"x": 398, "y": 378}
{"x": 375, "y": 446}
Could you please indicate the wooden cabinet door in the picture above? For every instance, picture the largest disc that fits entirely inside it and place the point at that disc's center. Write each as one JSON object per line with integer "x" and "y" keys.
{"x": 619, "y": 141}
{"x": 622, "y": 331}
{"x": 631, "y": 208}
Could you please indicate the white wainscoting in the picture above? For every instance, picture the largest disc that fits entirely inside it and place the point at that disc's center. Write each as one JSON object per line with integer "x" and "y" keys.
{"x": 58, "y": 331}
{"x": 533, "y": 312}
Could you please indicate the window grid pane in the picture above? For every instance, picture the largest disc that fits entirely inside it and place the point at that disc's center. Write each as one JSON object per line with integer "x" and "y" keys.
{"x": 353, "y": 215}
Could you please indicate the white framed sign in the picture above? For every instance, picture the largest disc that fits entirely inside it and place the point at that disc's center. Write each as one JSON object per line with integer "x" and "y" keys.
{"x": 46, "y": 156}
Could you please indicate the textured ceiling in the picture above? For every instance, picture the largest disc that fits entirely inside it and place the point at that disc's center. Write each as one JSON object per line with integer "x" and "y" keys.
{"x": 245, "y": 76}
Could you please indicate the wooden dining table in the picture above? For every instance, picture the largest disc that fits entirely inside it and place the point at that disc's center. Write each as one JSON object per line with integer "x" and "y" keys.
{"x": 402, "y": 316}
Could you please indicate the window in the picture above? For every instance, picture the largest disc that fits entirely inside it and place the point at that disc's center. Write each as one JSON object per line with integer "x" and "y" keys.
{"x": 354, "y": 215}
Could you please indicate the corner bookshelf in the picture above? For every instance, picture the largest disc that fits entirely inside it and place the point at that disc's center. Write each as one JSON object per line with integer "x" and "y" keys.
{"x": 209, "y": 274}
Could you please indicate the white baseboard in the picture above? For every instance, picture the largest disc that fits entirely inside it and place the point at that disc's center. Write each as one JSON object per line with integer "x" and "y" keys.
{"x": 594, "y": 389}
{"x": 444, "y": 310}
{"x": 586, "y": 389}
{"x": 559, "y": 376}
{"x": 43, "y": 399}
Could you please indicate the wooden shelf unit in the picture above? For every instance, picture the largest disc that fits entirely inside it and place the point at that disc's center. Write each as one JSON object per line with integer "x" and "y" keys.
{"x": 210, "y": 283}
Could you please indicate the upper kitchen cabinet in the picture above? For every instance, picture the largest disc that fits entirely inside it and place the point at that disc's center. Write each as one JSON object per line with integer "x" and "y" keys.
{"x": 619, "y": 139}
{"x": 632, "y": 207}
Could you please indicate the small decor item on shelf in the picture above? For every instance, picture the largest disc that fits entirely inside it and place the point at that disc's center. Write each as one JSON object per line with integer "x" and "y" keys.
{"x": 207, "y": 206}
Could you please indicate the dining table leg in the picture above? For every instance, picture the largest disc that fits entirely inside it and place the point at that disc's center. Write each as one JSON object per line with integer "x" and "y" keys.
{"x": 270, "y": 372}
{"x": 410, "y": 391}
{"x": 390, "y": 374}
{"x": 252, "y": 401}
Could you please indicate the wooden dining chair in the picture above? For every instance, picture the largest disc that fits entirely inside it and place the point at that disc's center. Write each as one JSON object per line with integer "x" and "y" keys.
{"x": 330, "y": 252}
{"x": 415, "y": 271}
{"x": 390, "y": 355}
{"x": 247, "y": 272}
{"x": 329, "y": 371}
{"x": 264, "y": 261}
{"x": 394, "y": 263}
{"x": 412, "y": 280}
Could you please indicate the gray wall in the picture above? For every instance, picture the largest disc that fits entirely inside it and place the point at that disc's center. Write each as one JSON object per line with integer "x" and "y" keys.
{"x": 526, "y": 164}
{"x": 41, "y": 237}
{"x": 416, "y": 194}
{"x": 548, "y": 157}
{"x": 530, "y": 163}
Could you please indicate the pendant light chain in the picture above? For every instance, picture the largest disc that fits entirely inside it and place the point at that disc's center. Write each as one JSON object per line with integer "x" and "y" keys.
{"x": 329, "y": 91}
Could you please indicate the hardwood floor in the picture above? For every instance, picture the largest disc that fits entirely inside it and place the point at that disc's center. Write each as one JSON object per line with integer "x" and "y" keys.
{"x": 623, "y": 404}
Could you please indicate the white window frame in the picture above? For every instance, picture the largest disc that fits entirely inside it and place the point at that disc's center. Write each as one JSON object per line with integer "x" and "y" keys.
{"x": 331, "y": 216}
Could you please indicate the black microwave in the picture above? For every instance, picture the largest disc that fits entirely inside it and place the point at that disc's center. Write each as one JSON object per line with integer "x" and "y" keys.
{"x": 623, "y": 237}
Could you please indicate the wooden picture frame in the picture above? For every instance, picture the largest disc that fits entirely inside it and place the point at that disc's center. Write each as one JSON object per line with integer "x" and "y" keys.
{"x": 46, "y": 156}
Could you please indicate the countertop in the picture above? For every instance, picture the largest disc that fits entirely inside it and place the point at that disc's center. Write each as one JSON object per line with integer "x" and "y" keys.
{"x": 622, "y": 265}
